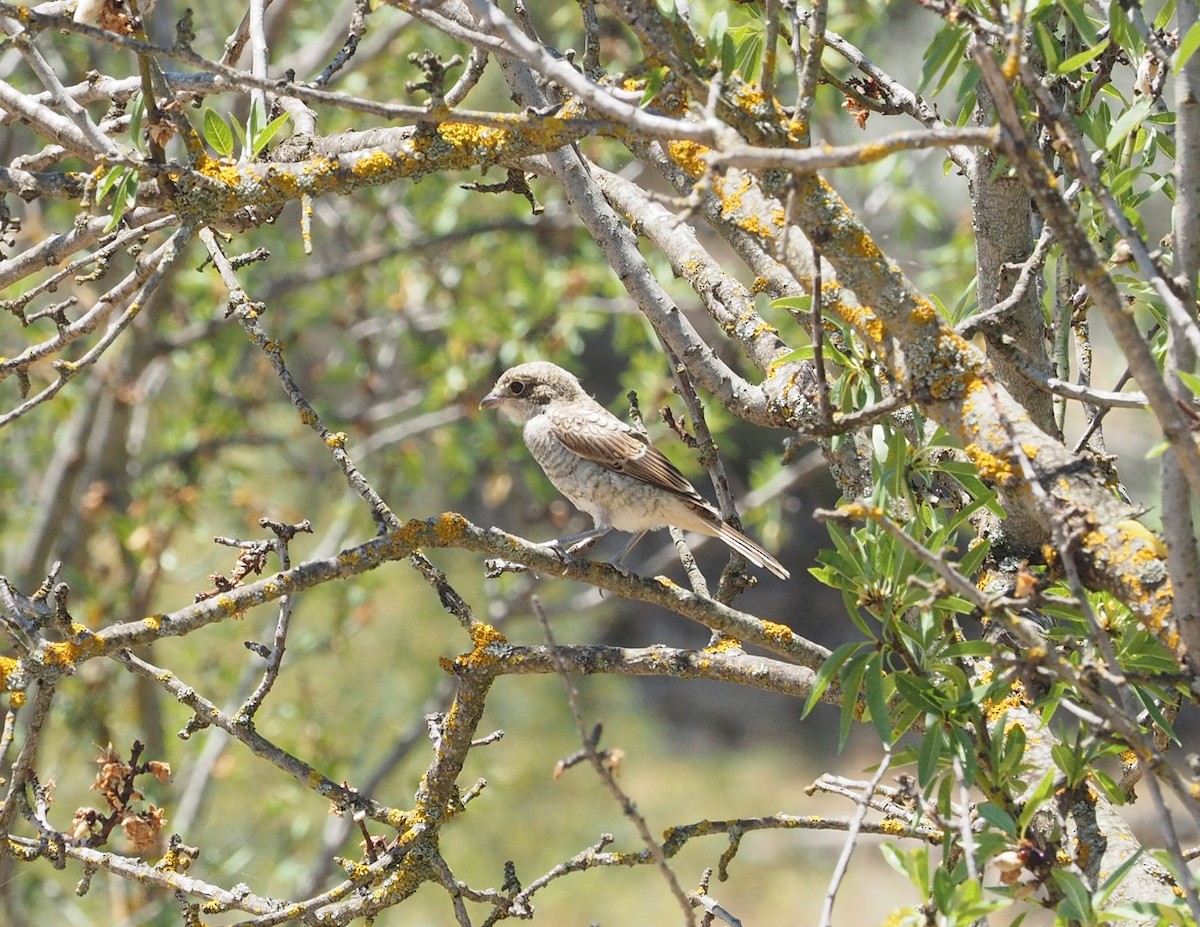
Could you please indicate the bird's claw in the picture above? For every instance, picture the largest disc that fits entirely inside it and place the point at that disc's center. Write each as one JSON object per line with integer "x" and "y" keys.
{"x": 496, "y": 566}
{"x": 565, "y": 554}
{"x": 583, "y": 546}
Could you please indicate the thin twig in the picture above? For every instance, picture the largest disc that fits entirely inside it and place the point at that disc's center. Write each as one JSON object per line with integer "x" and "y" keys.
{"x": 818, "y": 342}
{"x": 843, "y": 863}
{"x": 605, "y": 773}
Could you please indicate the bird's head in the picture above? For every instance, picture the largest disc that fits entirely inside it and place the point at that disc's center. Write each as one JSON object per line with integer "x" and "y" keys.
{"x": 523, "y": 391}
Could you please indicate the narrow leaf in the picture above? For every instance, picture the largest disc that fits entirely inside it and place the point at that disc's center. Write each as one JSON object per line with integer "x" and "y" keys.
{"x": 268, "y": 132}
{"x": 829, "y": 669}
{"x": 1075, "y": 62}
{"x": 932, "y": 747}
{"x": 1077, "y": 901}
{"x": 998, "y": 818}
{"x": 1187, "y": 47}
{"x": 1129, "y": 120}
{"x": 877, "y": 701}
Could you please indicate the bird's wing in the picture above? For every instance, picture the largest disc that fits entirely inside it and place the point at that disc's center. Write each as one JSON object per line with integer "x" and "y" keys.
{"x": 601, "y": 437}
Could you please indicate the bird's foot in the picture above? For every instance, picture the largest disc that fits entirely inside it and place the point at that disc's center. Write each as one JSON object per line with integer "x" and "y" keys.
{"x": 565, "y": 553}
{"x": 581, "y": 547}
{"x": 496, "y": 566}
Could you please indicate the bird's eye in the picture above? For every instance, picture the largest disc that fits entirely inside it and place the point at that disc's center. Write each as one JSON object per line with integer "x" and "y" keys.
{"x": 516, "y": 387}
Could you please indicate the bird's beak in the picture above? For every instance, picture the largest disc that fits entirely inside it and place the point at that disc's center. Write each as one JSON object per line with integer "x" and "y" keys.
{"x": 489, "y": 401}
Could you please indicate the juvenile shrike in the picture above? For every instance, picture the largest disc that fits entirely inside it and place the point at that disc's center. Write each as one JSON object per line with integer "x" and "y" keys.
{"x": 605, "y": 467}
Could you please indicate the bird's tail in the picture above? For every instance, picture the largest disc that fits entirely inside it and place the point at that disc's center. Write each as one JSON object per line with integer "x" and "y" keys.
{"x": 751, "y": 550}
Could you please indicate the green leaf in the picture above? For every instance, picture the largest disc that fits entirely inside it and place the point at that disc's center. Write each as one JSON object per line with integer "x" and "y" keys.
{"x": 829, "y": 669}
{"x": 1122, "y": 32}
{"x": 1036, "y": 799}
{"x": 748, "y": 42}
{"x": 654, "y": 83}
{"x": 943, "y": 890}
{"x": 1079, "y": 18}
{"x": 716, "y": 32}
{"x": 933, "y": 745}
{"x": 877, "y": 700}
{"x": 123, "y": 183}
{"x": 1077, "y": 900}
{"x": 217, "y": 133}
{"x": 1165, "y": 15}
{"x": 905, "y": 717}
{"x": 943, "y": 57}
{"x": 918, "y": 692}
{"x": 969, "y": 649}
{"x": 1113, "y": 881}
{"x": 263, "y": 137}
{"x": 1156, "y": 712}
{"x": 108, "y": 181}
{"x": 912, "y": 864}
{"x": 137, "y": 112}
{"x": 851, "y": 685}
{"x": 1070, "y": 763}
{"x": 1075, "y": 62}
{"x": 797, "y": 303}
{"x": 1128, "y": 121}
{"x": 998, "y": 818}
{"x": 1014, "y": 754}
{"x": 240, "y": 132}
{"x": 1191, "y": 381}
{"x": 1106, "y": 784}
{"x": 255, "y": 117}
{"x": 1157, "y": 450}
{"x": 1048, "y": 44}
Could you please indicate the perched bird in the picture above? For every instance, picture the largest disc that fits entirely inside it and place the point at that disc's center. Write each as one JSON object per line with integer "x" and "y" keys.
{"x": 604, "y": 466}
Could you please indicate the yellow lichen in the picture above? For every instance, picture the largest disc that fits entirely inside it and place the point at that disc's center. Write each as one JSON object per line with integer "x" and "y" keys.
{"x": 228, "y": 605}
{"x": 484, "y": 635}
{"x": 482, "y": 142}
{"x": 1015, "y": 699}
{"x": 397, "y": 819}
{"x": 1132, "y": 531}
{"x": 7, "y": 665}
{"x": 373, "y": 164}
{"x": 448, "y": 527}
{"x": 724, "y": 644}
{"x": 223, "y": 170}
{"x": 750, "y": 96}
{"x": 864, "y": 320}
{"x": 859, "y": 510}
{"x": 923, "y": 312}
{"x": 690, "y": 156}
{"x": 993, "y": 468}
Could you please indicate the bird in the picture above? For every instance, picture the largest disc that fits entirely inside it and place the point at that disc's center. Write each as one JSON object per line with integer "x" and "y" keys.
{"x": 605, "y": 467}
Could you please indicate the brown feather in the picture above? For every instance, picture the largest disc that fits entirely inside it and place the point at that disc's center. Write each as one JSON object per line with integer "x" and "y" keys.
{"x": 614, "y": 445}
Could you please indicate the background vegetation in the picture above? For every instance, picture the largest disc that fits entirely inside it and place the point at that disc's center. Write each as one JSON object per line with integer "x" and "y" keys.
{"x": 924, "y": 271}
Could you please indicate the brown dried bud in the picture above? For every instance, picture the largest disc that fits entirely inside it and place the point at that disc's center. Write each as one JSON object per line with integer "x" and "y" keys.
{"x": 142, "y": 830}
{"x": 160, "y": 770}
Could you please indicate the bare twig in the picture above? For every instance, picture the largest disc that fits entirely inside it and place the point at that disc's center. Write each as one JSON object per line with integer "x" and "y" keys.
{"x": 604, "y": 771}
{"x": 843, "y": 862}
